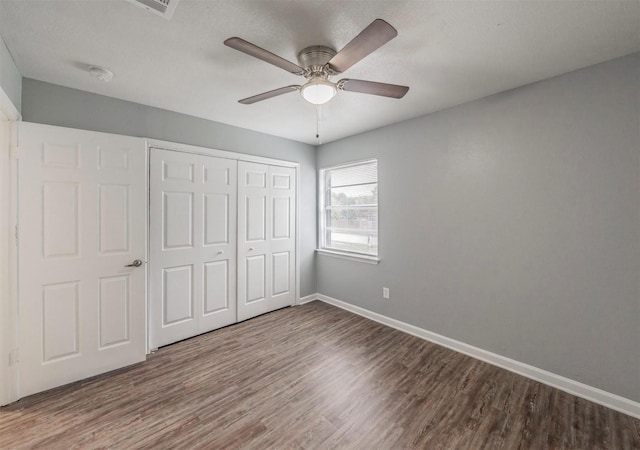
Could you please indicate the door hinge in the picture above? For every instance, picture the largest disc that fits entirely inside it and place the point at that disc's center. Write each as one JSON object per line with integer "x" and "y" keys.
{"x": 16, "y": 232}
{"x": 14, "y": 357}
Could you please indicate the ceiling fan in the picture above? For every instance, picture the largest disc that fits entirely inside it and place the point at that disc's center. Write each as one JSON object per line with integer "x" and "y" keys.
{"x": 319, "y": 63}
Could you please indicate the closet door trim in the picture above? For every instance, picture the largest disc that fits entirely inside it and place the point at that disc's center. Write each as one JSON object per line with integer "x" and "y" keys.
{"x": 165, "y": 145}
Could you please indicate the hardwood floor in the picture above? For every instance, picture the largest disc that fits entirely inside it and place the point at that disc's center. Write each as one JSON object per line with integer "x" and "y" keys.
{"x": 312, "y": 376}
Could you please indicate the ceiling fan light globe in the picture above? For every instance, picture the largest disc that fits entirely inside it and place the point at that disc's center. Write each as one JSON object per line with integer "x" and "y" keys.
{"x": 318, "y": 92}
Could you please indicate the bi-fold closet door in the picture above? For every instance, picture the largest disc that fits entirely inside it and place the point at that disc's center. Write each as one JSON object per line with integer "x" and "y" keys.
{"x": 266, "y": 238}
{"x": 192, "y": 245}
{"x": 222, "y": 242}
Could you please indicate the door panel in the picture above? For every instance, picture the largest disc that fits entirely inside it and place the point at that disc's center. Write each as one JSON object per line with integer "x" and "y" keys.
{"x": 216, "y": 219}
{"x": 256, "y": 217}
{"x": 174, "y": 219}
{"x": 61, "y": 219}
{"x": 114, "y": 219}
{"x": 266, "y": 245}
{"x": 256, "y": 279}
{"x": 177, "y": 299}
{"x": 216, "y": 286}
{"x": 281, "y": 273}
{"x": 193, "y": 255}
{"x": 82, "y": 202}
{"x": 114, "y": 310}
{"x": 281, "y": 218}
{"x": 253, "y": 245}
{"x": 218, "y": 305}
{"x": 282, "y": 184}
{"x": 60, "y": 305}
{"x": 177, "y": 220}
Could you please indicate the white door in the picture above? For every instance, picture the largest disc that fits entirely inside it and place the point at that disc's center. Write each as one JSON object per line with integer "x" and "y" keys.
{"x": 266, "y": 238}
{"x": 81, "y": 225}
{"x": 193, "y": 252}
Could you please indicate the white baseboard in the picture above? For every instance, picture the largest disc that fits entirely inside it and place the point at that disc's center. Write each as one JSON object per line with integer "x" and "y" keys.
{"x": 308, "y": 298}
{"x": 604, "y": 398}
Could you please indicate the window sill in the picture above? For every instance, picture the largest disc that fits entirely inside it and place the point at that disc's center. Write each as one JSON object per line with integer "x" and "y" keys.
{"x": 353, "y": 257}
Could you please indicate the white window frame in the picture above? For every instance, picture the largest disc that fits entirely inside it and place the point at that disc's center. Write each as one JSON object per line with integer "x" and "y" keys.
{"x": 344, "y": 254}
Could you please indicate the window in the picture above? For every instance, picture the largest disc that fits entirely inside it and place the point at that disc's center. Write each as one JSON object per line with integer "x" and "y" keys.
{"x": 349, "y": 209}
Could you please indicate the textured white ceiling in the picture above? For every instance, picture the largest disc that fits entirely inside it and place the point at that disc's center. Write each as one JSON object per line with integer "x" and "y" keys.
{"x": 448, "y": 52}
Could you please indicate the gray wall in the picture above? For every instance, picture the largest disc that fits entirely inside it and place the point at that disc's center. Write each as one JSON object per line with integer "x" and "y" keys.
{"x": 512, "y": 223}
{"x": 56, "y": 105}
{"x": 10, "y": 78}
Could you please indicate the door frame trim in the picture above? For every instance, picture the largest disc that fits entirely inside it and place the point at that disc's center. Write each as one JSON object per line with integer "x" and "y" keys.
{"x": 9, "y": 117}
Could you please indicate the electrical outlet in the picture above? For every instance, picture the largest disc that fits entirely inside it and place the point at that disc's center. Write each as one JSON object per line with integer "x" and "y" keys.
{"x": 385, "y": 293}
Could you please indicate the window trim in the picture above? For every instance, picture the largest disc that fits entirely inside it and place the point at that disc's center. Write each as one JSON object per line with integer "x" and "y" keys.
{"x": 343, "y": 254}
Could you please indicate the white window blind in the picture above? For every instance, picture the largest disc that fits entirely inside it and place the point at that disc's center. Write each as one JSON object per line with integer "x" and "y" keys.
{"x": 349, "y": 221}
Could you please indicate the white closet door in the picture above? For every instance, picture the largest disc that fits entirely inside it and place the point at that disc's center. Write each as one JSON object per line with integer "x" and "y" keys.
{"x": 219, "y": 200}
{"x": 266, "y": 238}
{"x": 82, "y": 208}
{"x": 192, "y": 255}
{"x": 282, "y": 237}
{"x": 254, "y": 283}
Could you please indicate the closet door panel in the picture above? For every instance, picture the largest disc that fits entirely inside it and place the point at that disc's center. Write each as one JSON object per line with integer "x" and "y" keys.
{"x": 282, "y": 198}
{"x": 266, "y": 245}
{"x": 253, "y": 245}
{"x": 173, "y": 262}
{"x": 192, "y": 245}
{"x": 219, "y": 231}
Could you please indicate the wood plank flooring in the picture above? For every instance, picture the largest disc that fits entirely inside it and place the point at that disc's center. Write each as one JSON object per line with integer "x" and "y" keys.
{"x": 312, "y": 376}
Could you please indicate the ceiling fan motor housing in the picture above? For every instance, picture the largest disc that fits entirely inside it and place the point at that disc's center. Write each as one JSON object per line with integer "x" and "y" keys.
{"x": 314, "y": 58}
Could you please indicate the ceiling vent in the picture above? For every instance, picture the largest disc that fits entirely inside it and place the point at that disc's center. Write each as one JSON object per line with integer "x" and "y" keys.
{"x": 163, "y": 8}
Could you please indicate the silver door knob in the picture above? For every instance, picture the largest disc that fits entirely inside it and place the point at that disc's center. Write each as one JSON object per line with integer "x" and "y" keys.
{"x": 135, "y": 263}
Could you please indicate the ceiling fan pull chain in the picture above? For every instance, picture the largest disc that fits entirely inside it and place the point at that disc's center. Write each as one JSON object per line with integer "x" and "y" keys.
{"x": 318, "y": 123}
